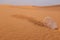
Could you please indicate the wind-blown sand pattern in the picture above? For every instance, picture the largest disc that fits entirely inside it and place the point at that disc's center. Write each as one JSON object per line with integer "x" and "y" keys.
{"x": 30, "y": 19}
{"x": 24, "y": 23}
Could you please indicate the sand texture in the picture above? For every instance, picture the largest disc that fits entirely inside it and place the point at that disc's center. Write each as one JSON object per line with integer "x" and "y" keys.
{"x": 24, "y": 23}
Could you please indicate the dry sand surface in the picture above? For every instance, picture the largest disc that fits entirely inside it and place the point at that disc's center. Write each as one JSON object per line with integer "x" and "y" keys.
{"x": 23, "y": 23}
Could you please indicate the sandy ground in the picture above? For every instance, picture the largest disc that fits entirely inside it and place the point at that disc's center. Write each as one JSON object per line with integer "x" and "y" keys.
{"x": 22, "y": 23}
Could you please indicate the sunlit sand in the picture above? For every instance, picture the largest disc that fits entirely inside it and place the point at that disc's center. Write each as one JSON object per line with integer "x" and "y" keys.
{"x": 24, "y": 23}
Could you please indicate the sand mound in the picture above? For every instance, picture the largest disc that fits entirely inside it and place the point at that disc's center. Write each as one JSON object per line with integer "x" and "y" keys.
{"x": 22, "y": 23}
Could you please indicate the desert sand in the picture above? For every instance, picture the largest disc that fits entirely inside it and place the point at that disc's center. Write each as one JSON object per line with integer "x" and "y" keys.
{"x": 22, "y": 22}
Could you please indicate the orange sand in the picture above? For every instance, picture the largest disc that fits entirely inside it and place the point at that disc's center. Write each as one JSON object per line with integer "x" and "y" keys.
{"x": 22, "y": 23}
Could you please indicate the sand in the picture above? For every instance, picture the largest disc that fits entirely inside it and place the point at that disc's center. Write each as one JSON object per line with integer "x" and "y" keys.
{"x": 23, "y": 23}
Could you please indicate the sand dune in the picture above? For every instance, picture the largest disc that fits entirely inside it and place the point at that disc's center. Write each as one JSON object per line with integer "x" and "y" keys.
{"x": 24, "y": 23}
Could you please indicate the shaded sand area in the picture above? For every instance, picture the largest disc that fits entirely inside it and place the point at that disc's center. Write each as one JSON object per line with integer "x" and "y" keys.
{"x": 23, "y": 23}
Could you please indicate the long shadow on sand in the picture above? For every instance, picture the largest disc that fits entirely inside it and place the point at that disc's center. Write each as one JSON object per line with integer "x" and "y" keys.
{"x": 30, "y": 19}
